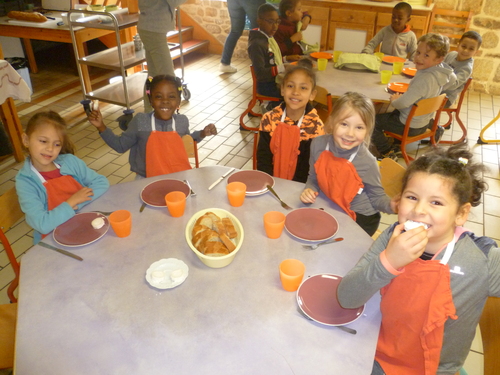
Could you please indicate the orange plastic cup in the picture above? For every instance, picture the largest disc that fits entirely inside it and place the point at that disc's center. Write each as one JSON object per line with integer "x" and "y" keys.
{"x": 236, "y": 193}
{"x": 291, "y": 274}
{"x": 176, "y": 203}
{"x": 121, "y": 222}
{"x": 274, "y": 221}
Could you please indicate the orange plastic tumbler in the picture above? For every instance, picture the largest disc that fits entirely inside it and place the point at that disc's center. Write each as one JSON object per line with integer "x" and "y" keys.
{"x": 291, "y": 274}
{"x": 236, "y": 193}
{"x": 121, "y": 222}
{"x": 176, "y": 203}
{"x": 274, "y": 221}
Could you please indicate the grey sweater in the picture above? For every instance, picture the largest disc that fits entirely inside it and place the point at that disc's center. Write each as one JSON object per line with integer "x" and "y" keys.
{"x": 373, "y": 198}
{"x": 402, "y": 45}
{"x": 479, "y": 261}
{"x": 136, "y": 137}
{"x": 158, "y": 15}
{"x": 463, "y": 70}
{"x": 427, "y": 83}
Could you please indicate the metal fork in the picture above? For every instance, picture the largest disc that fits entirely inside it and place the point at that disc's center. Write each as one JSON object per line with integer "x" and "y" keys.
{"x": 283, "y": 204}
{"x": 315, "y": 246}
{"x": 190, "y": 188}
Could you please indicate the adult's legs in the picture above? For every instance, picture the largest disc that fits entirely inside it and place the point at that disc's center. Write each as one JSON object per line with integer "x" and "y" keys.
{"x": 157, "y": 56}
{"x": 237, "y": 15}
{"x": 251, "y": 7}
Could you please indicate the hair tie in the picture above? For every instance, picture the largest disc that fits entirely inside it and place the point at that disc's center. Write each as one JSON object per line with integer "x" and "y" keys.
{"x": 463, "y": 161}
{"x": 148, "y": 92}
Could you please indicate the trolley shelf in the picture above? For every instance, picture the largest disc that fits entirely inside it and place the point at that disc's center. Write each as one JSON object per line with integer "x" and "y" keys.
{"x": 114, "y": 92}
{"x": 108, "y": 59}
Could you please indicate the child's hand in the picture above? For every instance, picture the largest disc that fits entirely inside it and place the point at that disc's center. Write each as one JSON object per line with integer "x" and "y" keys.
{"x": 83, "y": 195}
{"x": 296, "y": 37}
{"x": 210, "y": 129}
{"x": 95, "y": 118}
{"x": 405, "y": 247}
{"x": 395, "y": 96}
{"x": 305, "y": 22}
{"x": 395, "y": 203}
{"x": 293, "y": 58}
{"x": 308, "y": 196}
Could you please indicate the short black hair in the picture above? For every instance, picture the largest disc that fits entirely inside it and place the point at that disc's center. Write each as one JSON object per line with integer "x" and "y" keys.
{"x": 264, "y": 9}
{"x": 474, "y": 35}
{"x": 405, "y": 7}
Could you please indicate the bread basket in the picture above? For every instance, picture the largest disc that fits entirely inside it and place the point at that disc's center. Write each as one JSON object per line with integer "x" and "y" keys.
{"x": 211, "y": 261}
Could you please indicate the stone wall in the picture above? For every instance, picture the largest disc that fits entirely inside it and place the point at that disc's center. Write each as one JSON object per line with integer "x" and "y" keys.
{"x": 486, "y": 21}
{"x": 214, "y": 17}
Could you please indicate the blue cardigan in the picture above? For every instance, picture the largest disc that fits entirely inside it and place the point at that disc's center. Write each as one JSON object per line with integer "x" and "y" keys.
{"x": 33, "y": 195}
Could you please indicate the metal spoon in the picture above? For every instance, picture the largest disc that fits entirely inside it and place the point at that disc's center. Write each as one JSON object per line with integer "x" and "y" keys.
{"x": 315, "y": 246}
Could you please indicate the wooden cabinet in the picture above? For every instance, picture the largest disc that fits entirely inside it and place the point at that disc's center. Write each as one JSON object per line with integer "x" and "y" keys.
{"x": 321, "y": 17}
{"x": 347, "y": 19}
{"x": 360, "y": 15}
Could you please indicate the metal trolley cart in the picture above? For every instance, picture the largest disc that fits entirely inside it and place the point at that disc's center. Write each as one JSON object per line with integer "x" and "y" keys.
{"x": 130, "y": 88}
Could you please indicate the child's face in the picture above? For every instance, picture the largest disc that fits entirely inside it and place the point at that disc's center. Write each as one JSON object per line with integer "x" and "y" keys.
{"x": 297, "y": 91}
{"x": 296, "y": 14}
{"x": 467, "y": 48}
{"x": 428, "y": 198}
{"x": 399, "y": 20}
{"x": 165, "y": 99}
{"x": 44, "y": 145}
{"x": 350, "y": 131}
{"x": 426, "y": 57}
{"x": 269, "y": 23}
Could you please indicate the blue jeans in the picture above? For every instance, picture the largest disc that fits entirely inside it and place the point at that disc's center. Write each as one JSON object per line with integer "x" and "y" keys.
{"x": 238, "y": 10}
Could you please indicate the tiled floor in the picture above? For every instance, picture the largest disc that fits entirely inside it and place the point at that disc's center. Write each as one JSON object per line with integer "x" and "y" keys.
{"x": 220, "y": 99}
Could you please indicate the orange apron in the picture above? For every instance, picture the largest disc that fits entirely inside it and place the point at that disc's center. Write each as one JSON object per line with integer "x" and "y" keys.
{"x": 165, "y": 152}
{"x": 415, "y": 307}
{"x": 338, "y": 179}
{"x": 58, "y": 189}
{"x": 284, "y": 145}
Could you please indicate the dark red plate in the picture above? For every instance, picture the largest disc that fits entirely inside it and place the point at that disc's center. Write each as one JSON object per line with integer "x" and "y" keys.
{"x": 255, "y": 181}
{"x": 154, "y": 193}
{"x": 311, "y": 224}
{"x": 317, "y": 298}
{"x": 78, "y": 230}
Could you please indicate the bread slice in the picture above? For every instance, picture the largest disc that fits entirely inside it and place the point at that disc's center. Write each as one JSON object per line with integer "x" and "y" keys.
{"x": 228, "y": 224}
{"x": 216, "y": 249}
{"x": 226, "y": 241}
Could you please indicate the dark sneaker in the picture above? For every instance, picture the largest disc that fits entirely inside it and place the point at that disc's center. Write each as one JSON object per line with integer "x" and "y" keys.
{"x": 439, "y": 134}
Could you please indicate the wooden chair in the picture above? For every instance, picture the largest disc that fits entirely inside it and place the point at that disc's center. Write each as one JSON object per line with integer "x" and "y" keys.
{"x": 423, "y": 107}
{"x": 191, "y": 147}
{"x": 324, "y": 99}
{"x": 455, "y": 109}
{"x": 391, "y": 173}
{"x": 490, "y": 332}
{"x": 450, "y": 23}
{"x": 8, "y": 319}
{"x": 9, "y": 215}
{"x": 256, "y": 97}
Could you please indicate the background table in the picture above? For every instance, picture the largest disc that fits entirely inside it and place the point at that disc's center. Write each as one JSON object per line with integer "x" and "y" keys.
{"x": 100, "y": 316}
{"x": 340, "y": 81}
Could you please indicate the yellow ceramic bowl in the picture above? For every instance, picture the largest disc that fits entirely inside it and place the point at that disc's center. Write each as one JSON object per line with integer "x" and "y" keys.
{"x": 210, "y": 261}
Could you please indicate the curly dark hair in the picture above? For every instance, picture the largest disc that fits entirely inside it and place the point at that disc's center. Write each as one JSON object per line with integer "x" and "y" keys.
{"x": 455, "y": 164}
{"x": 151, "y": 83}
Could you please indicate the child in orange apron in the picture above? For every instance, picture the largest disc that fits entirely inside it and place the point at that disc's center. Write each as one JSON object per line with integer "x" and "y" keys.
{"x": 286, "y": 132}
{"x": 53, "y": 183}
{"x": 435, "y": 278}
{"x": 342, "y": 167}
{"x": 154, "y": 139}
